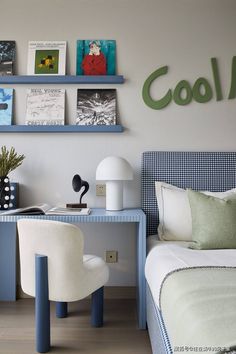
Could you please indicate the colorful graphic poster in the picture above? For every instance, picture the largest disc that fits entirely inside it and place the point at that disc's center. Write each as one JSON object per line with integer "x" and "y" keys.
{"x": 46, "y": 58}
{"x": 46, "y": 61}
{"x": 6, "y": 97}
{"x": 96, "y": 57}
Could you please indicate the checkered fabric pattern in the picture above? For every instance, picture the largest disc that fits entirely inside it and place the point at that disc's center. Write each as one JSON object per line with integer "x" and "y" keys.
{"x": 213, "y": 171}
{"x": 156, "y": 328}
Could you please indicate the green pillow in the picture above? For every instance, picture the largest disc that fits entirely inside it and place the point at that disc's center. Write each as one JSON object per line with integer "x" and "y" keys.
{"x": 213, "y": 221}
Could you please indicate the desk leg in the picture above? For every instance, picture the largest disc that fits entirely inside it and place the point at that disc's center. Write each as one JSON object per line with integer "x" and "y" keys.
{"x": 7, "y": 261}
{"x": 141, "y": 282}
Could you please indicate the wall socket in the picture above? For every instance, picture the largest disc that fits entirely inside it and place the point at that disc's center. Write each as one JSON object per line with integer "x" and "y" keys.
{"x": 111, "y": 256}
{"x": 100, "y": 190}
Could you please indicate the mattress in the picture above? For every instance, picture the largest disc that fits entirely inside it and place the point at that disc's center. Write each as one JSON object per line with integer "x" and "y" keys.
{"x": 165, "y": 257}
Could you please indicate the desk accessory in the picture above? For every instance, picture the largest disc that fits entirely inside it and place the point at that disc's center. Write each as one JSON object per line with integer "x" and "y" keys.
{"x": 114, "y": 170}
{"x": 9, "y": 161}
{"x": 45, "y": 209}
{"x": 77, "y": 184}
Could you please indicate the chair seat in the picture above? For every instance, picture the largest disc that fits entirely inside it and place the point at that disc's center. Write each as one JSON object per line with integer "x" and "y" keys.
{"x": 93, "y": 274}
{"x": 96, "y": 274}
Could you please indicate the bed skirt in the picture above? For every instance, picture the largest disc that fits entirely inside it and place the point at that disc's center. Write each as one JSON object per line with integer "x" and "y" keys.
{"x": 157, "y": 332}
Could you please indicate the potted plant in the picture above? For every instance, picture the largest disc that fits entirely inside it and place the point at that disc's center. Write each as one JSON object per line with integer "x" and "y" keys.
{"x": 9, "y": 161}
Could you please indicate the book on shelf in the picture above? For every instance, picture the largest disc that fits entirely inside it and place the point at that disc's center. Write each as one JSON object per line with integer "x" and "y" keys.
{"x": 7, "y": 57}
{"x": 45, "y": 107}
{"x": 6, "y": 100}
{"x": 96, "y": 107}
{"x": 46, "y": 58}
{"x": 45, "y": 209}
{"x": 96, "y": 57}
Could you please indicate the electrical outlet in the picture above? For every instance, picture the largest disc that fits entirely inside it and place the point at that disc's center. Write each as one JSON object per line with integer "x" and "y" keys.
{"x": 111, "y": 256}
{"x": 100, "y": 190}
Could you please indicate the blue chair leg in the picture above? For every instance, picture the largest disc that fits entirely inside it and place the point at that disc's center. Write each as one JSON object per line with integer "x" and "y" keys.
{"x": 61, "y": 309}
{"x": 42, "y": 305}
{"x": 97, "y": 308}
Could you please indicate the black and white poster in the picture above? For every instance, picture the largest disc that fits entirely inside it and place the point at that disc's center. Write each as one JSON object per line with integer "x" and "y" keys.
{"x": 96, "y": 107}
{"x": 45, "y": 107}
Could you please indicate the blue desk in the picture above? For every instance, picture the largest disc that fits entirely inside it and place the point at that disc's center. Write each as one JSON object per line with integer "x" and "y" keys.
{"x": 8, "y": 248}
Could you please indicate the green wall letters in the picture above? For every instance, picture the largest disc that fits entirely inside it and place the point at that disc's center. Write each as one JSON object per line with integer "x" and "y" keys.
{"x": 183, "y": 94}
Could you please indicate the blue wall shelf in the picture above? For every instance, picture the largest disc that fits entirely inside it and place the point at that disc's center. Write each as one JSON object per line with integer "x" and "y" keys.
{"x": 62, "y": 79}
{"x": 61, "y": 128}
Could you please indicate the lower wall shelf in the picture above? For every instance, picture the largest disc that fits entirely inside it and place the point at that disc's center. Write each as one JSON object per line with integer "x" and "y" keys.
{"x": 61, "y": 128}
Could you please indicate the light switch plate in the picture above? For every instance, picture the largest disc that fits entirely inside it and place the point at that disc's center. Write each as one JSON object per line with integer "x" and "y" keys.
{"x": 100, "y": 190}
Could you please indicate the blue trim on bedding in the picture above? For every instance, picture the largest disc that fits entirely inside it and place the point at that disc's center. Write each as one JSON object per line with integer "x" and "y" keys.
{"x": 214, "y": 171}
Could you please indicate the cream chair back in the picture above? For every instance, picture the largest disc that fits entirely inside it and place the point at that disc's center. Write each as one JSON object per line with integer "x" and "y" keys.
{"x": 63, "y": 244}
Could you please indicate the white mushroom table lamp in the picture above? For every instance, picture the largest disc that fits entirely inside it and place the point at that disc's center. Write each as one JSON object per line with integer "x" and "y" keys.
{"x": 114, "y": 170}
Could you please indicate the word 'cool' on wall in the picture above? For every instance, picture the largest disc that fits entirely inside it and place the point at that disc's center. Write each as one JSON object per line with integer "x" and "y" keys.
{"x": 183, "y": 93}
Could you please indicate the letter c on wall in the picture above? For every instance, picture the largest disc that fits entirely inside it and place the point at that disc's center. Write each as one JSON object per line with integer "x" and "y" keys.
{"x": 164, "y": 101}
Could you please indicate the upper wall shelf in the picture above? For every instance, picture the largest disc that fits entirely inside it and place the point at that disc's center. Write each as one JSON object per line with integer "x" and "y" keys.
{"x": 61, "y": 128}
{"x": 62, "y": 79}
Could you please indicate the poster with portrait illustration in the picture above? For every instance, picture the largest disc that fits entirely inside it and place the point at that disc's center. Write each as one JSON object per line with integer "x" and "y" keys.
{"x": 96, "y": 57}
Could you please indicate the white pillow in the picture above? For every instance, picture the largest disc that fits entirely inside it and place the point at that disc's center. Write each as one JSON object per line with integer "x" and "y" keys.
{"x": 175, "y": 221}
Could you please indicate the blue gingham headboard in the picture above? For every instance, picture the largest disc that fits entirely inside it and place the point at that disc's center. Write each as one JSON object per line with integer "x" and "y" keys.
{"x": 214, "y": 171}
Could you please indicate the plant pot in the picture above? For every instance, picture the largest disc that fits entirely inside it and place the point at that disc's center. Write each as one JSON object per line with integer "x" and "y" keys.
{"x": 5, "y": 192}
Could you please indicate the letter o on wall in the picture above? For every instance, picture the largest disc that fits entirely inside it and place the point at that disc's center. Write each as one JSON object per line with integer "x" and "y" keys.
{"x": 202, "y": 97}
{"x": 178, "y": 98}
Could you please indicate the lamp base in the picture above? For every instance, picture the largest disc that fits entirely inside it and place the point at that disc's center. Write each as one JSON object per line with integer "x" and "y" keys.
{"x": 76, "y": 205}
{"x": 114, "y": 195}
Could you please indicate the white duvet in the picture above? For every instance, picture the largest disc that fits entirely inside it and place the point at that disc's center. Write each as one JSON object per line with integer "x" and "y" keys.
{"x": 167, "y": 256}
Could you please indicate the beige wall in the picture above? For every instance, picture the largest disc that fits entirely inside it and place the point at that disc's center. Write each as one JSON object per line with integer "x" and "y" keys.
{"x": 182, "y": 34}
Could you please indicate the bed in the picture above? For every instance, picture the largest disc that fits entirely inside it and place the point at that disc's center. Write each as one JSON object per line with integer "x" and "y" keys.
{"x": 200, "y": 171}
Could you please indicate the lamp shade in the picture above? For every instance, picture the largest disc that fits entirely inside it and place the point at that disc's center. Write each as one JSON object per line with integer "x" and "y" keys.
{"x": 114, "y": 168}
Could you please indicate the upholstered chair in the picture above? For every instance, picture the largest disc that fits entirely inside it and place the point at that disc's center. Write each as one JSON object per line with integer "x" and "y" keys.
{"x": 53, "y": 268}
